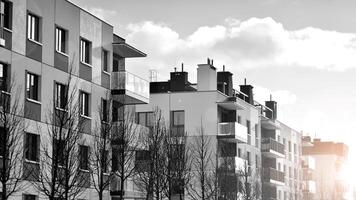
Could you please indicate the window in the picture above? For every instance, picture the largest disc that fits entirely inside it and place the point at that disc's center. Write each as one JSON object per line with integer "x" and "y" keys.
{"x": 3, "y": 77}
{"x": 61, "y": 40}
{"x": 29, "y": 197}
{"x": 58, "y": 152}
{"x": 33, "y": 27}
{"x": 2, "y": 141}
{"x": 84, "y": 104}
{"x": 177, "y": 123}
{"x": 105, "y": 160}
{"x": 5, "y": 14}
{"x": 105, "y": 60}
{"x": 105, "y": 111}
{"x": 239, "y": 119}
{"x": 61, "y": 96}
{"x": 248, "y": 158}
{"x": 84, "y": 157}
{"x": 248, "y": 125}
{"x": 32, "y": 86}
{"x": 239, "y": 152}
{"x": 32, "y": 143}
{"x": 145, "y": 119}
{"x": 85, "y": 51}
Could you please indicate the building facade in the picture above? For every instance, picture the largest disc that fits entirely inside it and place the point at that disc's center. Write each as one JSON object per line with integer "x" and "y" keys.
{"x": 329, "y": 158}
{"x": 43, "y": 42}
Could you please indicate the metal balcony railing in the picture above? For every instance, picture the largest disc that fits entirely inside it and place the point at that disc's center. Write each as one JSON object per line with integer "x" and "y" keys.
{"x": 123, "y": 80}
{"x": 233, "y": 129}
{"x": 268, "y": 144}
{"x": 273, "y": 174}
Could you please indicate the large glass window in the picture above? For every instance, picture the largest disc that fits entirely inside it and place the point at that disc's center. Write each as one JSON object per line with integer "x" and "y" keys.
{"x": 3, "y": 77}
{"x": 84, "y": 104}
{"x": 145, "y": 119}
{"x": 84, "y": 157}
{"x": 33, "y": 27}
{"x": 61, "y": 38}
{"x": 32, "y": 142}
{"x": 32, "y": 86}
{"x": 61, "y": 96}
{"x": 105, "y": 60}
{"x": 85, "y": 51}
{"x": 177, "y": 122}
{"x": 5, "y": 14}
{"x": 105, "y": 110}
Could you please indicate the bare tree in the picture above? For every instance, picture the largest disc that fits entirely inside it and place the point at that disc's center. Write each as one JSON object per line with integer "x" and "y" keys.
{"x": 60, "y": 175}
{"x": 227, "y": 178}
{"x": 125, "y": 137}
{"x": 150, "y": 167}
{"x": 101, "y": 158}
{"x": 11, "y": 132}
{"x": 204, "y": 185}
{"x": 178, "y": 165}
{"x": 249, "y": 182}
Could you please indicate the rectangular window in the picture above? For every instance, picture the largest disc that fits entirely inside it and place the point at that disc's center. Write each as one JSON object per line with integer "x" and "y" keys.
{"x": 33, "y": 27}
{"x": 32, "y": 147}
{"x": 248, "y": 125}
{"x": 105, "y": 110}
{"x": 32, "y": 86}
{"x": 84, "y": 157}
{"x": 58, "y": 152}
{"x": 239, "y": 152}
{"x": 85, "y": 51}
{"x": 29, "y": 197}
{"x": 5, "y": 14}
{"x": 84, "y": 104}
{"x": 61, "y": 96}
{"x": 105, "y": 60}
{"x": 239, "y": 119}
{"x": 248, "y": 158}
{"x": 61, "y": 40}
{"x": 177, "y": 123}
{"x": 3, "y": 77}
{"x": 145, "y": 119}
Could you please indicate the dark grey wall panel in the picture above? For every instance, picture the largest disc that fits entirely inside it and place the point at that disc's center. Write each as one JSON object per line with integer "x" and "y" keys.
{"x": 32, "y": 110}
{"x": 31, "y": 171}
{"x": 34, "y": 50}
{"x": 105, "y": 80}
{"x": 85, "y": 72}
{"x": 61, "y": 62}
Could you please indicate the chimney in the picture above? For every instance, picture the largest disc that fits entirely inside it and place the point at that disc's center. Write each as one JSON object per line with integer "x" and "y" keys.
{"x": 248, "y": 90}
{"x": 179, "y": 79}
{"x": 273, "y": 106}
{"x": 207, "y": 79}
{"x": 225, "y": 84}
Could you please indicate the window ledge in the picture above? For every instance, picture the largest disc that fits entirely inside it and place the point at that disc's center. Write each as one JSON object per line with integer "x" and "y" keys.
{"x": 87, "y": 64}
{"x": 62, "y": 53}
{"x": 8, "y": 30}
{"x": 32, "y": 162}
{"x": 5, "y": 92}
{"x": 34, "y": 41}
{"x": 105, "y": 72}
{"x": 33, "y": 101}
{"x": 86, "y": 117}
{"x": 61, "y": 109}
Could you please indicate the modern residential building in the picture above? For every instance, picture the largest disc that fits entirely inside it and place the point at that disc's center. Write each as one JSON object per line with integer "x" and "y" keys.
{"x": 281, "y": 156}
{"x": 41, "y": 43}
{"x": 228, "y": 117}
{"x": 329, "y": 158}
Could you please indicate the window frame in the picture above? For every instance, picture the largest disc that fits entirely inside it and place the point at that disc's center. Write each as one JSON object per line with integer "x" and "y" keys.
{"x": 7, "y": 15}
{"x": 85, "y": 57}
{"x": 84, "y": 158}
{"x": 33, "y": 28}
{"x": 32, "y": 147}
{"x": 105, "y": 110}
{"x": 84, "y": 111}
{"x": 32, "y": 197}
{"x": 147, "y": 121}
{"x": 105, "y": 60}
{"x": 33, "y": 94}
{"x": 59, "y": 96}
{"x": 4, "y": 78}
{"x": 60, "y": 45}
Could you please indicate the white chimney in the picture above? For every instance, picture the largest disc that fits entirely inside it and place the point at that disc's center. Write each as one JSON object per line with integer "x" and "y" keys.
{"x": 206, "y": 77}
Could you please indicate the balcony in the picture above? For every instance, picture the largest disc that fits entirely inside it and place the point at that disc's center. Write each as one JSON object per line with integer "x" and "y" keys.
{"x": 232, "y": 132}
{"x": 272, "y": 148}
{"x": 269, "y": 124}
{"x": 128, "y": 88}
{"x": 231, "y": 103}
{"x": 273, "y": 176}
{"x": 233, "y": 164}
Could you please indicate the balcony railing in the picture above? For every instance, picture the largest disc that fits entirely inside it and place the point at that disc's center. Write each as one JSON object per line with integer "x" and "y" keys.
{"x": 273, "y": 176}
{"x": 132, "y": 85}
{"x": 233, "y": 164}
{"x": 232, "y": 130}
{"x": 274, "y": 148}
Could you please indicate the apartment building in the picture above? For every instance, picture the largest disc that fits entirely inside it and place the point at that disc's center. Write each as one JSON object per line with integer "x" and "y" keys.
{"x": 329, "y": 158}
{"x": 41, "y": 43}
{"x": 231, "y": 123}
{"x": 281, "y": 156}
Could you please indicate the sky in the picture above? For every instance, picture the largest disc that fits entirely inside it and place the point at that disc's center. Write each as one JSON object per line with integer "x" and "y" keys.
{"x": 302, "y": 52}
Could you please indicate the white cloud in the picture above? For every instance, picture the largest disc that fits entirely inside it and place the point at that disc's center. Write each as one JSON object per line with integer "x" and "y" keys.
{"x": 283, "y": 97}
{"x": 103, "y": 14}
{"x": 245, "y": 44}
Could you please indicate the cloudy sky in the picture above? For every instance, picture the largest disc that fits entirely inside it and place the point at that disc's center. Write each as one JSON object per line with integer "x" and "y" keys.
{"x": 301, "y": 51}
